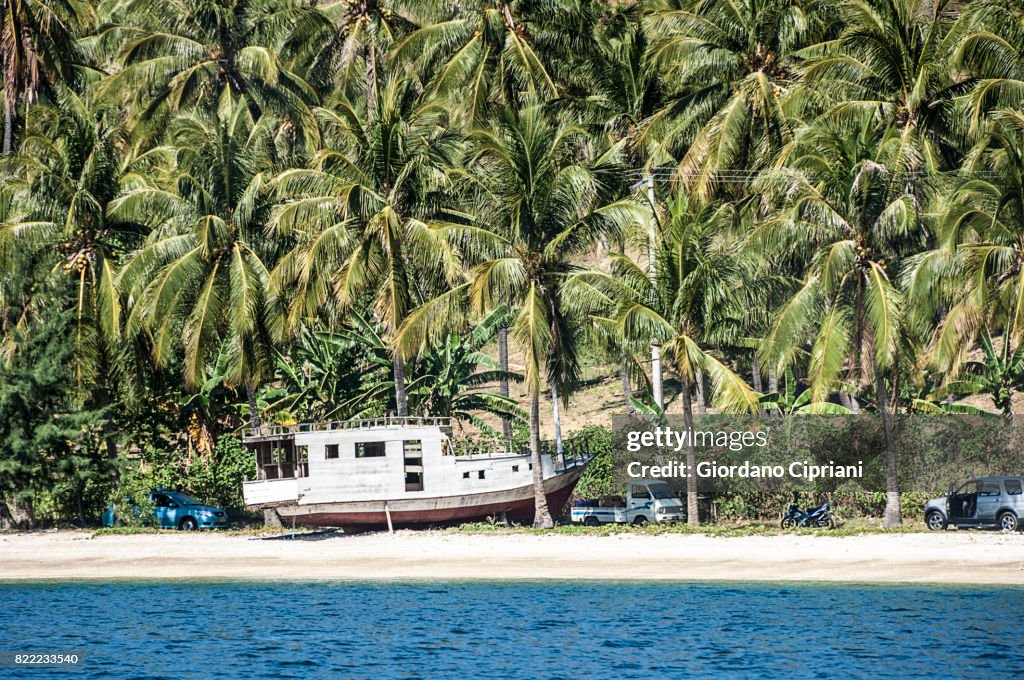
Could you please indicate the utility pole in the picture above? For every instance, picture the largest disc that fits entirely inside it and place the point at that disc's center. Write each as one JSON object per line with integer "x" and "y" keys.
{"x": 652, "y": 245}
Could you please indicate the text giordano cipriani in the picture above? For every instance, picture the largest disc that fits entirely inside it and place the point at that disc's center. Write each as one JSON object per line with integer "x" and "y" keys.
{"x": 667, "y": 438}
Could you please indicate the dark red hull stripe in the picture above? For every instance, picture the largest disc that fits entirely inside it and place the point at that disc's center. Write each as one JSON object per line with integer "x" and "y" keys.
{"x": 518, "y": 510}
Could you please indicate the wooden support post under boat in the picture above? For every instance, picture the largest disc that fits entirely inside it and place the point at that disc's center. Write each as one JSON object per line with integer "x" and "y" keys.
{"x": 387, "y": 513}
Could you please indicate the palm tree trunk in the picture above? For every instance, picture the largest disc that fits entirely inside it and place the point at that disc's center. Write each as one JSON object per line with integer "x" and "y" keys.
{"x": 6, "y": 517}
{"x": 8, "y": 126}
{"x": 541, "y": 513}
{"x": 656, "y": 380}
{"x": 401, "y": 401}
{"x": 692, "y": 508}
{"x": 891, "y": 516}
{"x": 773, "y": 382}
{"x": 557, "y": 420}
{"x": 895, "y": 399}
{"x": 254, "y": 407}
{"x": 627, "y": 387}
{"x": 79, "y": 494}
{"x": 755, "y": 371}
{"x": 111, "y": 446}
{"x": 702, "y": 406}
{"x": 506, "y": 424}
{"x": 371, "y": 78}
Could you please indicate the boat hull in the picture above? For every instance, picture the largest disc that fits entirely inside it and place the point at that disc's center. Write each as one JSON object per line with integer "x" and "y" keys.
{"x": 514, "y": 504}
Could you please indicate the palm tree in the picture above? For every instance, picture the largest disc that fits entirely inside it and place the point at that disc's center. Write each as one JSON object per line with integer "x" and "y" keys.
{"x": 892, "y": 58}
{"x": 198, "y": 284}
{"x": 987, "y": 52}
{"x": 732, "y": 65}
{"x": 331, "y": 41}
{"x": 483, "y": 54}
{"x": 39, "y": 50}
{"x": 545, "y": 207}
{"x": 847, "y": 211}
{"x": 169, "y": 55}
{"x": 71, "y": 167}
{"x": 972, "y": 282}
{"x": 691, "y": 303}
{"x": 367, "y": 217}
{"x": 619, "y": 90}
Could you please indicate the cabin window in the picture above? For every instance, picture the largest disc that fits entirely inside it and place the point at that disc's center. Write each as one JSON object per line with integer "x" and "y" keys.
{"x": 465, "y": 475}
{"x": 331, "y": 451}
{"x": 369, "y": 449}
{"x": 515, "y": 468}
{"x": 481, "y": 474}
{"x": 1013, "y": 487}
{"x": 412, "y": 452}
{"x": 280, "y": 459}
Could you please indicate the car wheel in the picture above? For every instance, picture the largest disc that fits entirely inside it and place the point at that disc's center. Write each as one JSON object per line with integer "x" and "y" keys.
{"x": 188, "y": 524}
{"x": 935, "y": 521}
{"x": 592, "y": 521}
{"x": 1008, "y": 521}
{"x": 639, "y": 521}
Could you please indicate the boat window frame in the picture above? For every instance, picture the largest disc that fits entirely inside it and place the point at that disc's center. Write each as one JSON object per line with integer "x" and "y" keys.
{"x": 361, "y": 448}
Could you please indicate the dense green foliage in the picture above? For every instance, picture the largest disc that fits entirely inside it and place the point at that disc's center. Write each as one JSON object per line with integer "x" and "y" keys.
{"x": 268, "y": 210}
{"x": 49, "y": 443}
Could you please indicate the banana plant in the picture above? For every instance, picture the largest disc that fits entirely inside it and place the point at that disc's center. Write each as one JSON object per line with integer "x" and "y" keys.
{"x": 789, "y": 403}
{"x": 1000, "y": 375}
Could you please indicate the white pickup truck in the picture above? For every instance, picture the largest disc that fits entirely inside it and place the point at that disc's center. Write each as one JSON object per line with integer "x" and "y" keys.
{"x": 647, "y": 500}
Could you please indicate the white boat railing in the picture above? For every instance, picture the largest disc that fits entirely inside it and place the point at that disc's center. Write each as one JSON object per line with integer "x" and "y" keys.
{"x": 357, "y": 424}
{"x": 473, "y": 450}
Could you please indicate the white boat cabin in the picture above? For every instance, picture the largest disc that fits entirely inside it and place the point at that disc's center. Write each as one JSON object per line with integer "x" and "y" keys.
{"x": 382, "y": 458}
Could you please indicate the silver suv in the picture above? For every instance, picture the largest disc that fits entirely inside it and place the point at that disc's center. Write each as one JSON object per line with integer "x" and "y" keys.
{"x": 983, "y": 502}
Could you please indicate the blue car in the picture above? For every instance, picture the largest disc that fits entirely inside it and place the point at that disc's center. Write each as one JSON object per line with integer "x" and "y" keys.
{"x": 175, "y": 510}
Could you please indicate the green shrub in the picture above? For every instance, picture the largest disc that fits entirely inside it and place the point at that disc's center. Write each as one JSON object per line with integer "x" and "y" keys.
{"x": 596, "y": 441}
{"x": 215, "y": 478}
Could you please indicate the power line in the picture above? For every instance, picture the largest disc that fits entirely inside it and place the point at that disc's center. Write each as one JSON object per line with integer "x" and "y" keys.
{"x": 732, "y": 175}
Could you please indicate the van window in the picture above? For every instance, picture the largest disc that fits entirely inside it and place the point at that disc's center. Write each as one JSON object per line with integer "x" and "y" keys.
{"x": 662, "y": 491}
{"x": 637, "y": 491}
{"x": 989, "y": 489}
{"x": 1013, "y": 486}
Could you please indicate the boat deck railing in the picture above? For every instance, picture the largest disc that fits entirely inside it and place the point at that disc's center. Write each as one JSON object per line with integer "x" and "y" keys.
{"x": 561, "y": 462}
{"x": 355, "y": 424}
{"x": 565, "y": 463}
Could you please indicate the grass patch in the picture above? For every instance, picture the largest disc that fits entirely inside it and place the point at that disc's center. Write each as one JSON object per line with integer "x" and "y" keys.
{"x": 126, "y": 531}
{"x": 856, "y": 527}
{"x": 243, "y": 531}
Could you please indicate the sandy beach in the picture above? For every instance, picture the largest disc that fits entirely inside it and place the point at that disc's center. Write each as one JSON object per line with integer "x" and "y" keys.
{"x": 951, "y": 557}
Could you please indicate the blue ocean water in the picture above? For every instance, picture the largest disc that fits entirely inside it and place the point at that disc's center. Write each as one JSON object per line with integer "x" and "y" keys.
{"x": 530, "y": 629}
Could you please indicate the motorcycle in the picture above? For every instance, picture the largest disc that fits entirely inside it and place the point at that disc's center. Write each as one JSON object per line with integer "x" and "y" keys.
{"x": 818, "y": 518}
